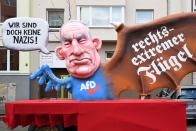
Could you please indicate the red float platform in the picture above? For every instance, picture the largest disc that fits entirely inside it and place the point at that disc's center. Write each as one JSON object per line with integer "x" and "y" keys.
{"x": 115, "y": 115}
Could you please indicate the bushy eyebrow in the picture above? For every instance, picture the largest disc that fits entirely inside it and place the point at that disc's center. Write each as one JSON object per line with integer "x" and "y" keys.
{"x": 65, "y": 38}
{"x": 78, "y": 37}
{"x": 81, "y": 36}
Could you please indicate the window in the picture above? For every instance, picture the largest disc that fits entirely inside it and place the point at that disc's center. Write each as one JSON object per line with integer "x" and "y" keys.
{"x": 9, "y": 60}
{"x": 3, "y": 59}
{"x": 101, "y": 16}
{"x": 10, "y": 2}
{"x": 14, "y": 60}
{"x": 109, "y": 55}
{"x": 194, "y": 5}
{"x": 55, "y": 18}
{"x": 8, "y": 9}
{"x": 143, "y": 16}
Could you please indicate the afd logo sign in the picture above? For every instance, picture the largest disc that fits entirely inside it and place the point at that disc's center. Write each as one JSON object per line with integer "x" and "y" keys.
{"x": 90, "y": 86}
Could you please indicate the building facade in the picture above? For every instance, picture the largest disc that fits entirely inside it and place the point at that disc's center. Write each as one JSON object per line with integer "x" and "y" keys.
{"x": 98, "y": 15}
{"x": 14, "y": 65}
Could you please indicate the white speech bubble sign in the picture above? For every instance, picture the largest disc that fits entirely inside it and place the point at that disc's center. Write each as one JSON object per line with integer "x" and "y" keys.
{"x": 26, "y": 34}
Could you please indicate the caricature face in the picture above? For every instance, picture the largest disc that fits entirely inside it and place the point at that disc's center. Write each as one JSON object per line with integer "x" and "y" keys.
{"x": 79, "y": 50}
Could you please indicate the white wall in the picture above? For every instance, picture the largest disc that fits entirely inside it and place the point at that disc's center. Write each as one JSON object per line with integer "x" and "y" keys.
{"x": 178, "y": 6}
{"x": 159, "y": 7}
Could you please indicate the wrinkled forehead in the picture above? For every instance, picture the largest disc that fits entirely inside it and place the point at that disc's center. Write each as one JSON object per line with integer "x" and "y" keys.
{"x": 74, "y": 29}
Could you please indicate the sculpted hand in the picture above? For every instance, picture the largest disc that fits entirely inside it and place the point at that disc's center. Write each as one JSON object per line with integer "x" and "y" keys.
{"x": 46, "y": 73}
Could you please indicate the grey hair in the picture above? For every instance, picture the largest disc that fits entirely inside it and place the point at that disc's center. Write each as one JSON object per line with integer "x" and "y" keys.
{"x": 76, "y": 21}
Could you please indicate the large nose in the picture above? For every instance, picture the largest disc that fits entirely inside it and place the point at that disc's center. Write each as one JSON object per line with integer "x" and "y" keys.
{"x": 77, "y": 49}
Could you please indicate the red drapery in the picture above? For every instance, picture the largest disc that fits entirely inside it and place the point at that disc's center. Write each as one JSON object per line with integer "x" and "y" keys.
{"x": 115, "y": 115}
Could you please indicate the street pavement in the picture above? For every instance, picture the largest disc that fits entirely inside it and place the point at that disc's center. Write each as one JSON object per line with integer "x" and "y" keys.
{"x": 3, "y": 127}
{"x": 191, "y": 126}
